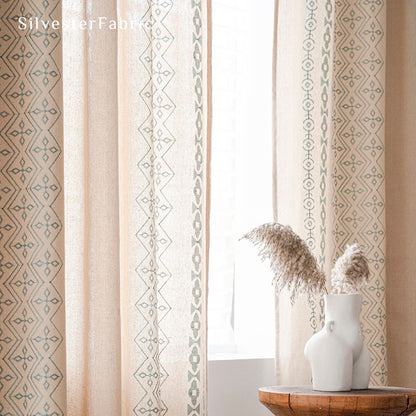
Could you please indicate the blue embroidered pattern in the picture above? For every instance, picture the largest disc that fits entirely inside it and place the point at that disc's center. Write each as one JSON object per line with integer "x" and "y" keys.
{"x": 32, "y": 350}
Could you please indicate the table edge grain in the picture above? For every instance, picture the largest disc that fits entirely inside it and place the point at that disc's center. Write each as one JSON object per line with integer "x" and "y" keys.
{"x": 292, "y": 397}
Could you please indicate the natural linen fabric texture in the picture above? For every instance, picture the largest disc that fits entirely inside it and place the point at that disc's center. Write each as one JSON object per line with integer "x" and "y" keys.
{"x": 329, "y": 158}
{"x": 134, "y": 115}
{"x": 32, "y": 320}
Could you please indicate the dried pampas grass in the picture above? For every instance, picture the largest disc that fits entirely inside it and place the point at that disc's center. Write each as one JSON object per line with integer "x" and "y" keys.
{"x": 292, "y": 263}
{"x": 296, "y": 269}
{"x": 350, "y": 271}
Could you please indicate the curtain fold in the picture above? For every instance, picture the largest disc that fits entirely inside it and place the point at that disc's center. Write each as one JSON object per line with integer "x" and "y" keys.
{"x": 133, "y": 106}
{"x": 32, "y": 314}
{"x": 329, "y": 158}
{"x": 92, "y": 212}
{"x": 163, "y": 133}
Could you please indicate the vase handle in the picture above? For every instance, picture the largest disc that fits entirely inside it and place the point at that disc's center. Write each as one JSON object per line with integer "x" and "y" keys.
{"x": 329, "y": 326}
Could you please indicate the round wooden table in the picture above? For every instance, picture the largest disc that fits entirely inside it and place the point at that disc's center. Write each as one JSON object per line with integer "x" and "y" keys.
{"x": 303, "y": 401}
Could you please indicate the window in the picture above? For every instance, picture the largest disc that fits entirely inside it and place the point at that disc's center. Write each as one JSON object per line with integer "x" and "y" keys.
{"x": 241, "y": 296}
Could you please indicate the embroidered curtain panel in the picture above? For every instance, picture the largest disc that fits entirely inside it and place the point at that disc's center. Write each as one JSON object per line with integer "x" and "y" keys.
{"x": 32, "y": 314}
{"x": 111, "y": 321}
{"x": 329, "y": 157}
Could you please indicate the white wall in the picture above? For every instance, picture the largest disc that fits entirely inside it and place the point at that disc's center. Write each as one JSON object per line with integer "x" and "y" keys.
{"x": 233, "y": 386}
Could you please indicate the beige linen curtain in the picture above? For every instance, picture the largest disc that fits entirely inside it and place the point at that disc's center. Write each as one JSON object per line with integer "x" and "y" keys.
{"x": 329, "y": 157}
{"x": 131, "y": 339}
{"x": 32, "y": 319}
{"x": 400, "y": 191}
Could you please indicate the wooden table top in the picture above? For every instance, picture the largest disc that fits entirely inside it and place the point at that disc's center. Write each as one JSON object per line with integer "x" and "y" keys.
{"x": 304, "y": 401}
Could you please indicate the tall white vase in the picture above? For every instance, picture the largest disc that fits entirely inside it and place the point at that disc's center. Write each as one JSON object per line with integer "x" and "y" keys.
{"x": 338, "y": 356}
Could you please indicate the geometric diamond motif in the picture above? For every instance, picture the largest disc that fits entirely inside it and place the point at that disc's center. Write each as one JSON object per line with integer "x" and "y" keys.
{"x": 31, "y": 166}
{"x": 343, "y": 123}
{"x": 358, "y": 160}
{"x": 154, "y": 168}
{"x": 196, "y": 369}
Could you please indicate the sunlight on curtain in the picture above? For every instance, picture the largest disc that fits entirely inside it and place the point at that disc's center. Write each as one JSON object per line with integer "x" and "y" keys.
{"x": 91, "y": 207}
{"x": 136, "y": 148}
{"x": 164, "y": 146}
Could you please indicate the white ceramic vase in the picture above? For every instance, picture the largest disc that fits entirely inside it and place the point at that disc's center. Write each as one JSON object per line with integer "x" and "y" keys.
{"x": 338, "y": 356}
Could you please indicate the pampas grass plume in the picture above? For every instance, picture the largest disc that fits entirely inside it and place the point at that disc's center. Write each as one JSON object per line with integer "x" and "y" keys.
{"x": 350, "y": 271}
{"x": 291, "y": 261}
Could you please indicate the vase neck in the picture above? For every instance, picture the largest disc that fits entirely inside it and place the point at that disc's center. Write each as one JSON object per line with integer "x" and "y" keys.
{"x": 343, "y": 307}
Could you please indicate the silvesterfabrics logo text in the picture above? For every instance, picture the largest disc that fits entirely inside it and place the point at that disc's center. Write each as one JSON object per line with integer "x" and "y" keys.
{"x": 101, "y": 22}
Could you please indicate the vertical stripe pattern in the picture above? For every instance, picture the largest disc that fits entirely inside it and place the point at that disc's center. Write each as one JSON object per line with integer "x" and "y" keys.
{"x": 32, "y": 348}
